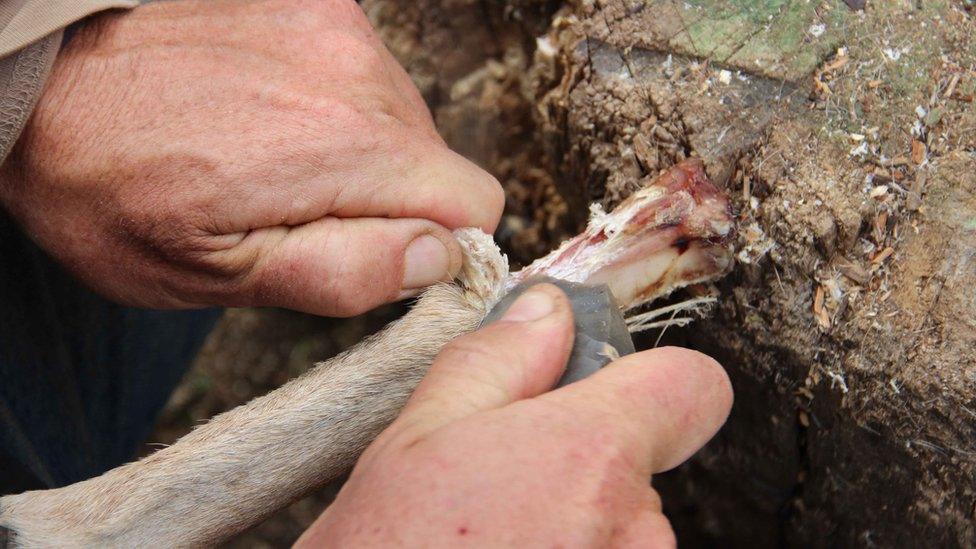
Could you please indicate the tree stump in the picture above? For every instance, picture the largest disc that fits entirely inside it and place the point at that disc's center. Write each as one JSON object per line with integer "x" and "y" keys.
{"x": 846, "y": 135}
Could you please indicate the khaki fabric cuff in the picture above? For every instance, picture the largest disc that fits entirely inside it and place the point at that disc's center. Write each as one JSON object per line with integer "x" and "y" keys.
{"x": 30, "y": 37}
{"x": 27, "y": 21}
{"x": 22, "y": 74}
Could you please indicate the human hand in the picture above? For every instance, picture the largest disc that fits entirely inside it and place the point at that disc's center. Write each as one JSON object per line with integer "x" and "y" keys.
{"x": 482, "y": 454}
{"x": 190, "y": 153}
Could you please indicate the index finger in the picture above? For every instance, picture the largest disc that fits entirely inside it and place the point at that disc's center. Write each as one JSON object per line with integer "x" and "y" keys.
{"x": 659, "y": 406}
{"x": 426, "y": 180}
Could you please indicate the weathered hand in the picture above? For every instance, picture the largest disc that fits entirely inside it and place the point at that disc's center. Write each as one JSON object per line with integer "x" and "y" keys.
{"x": 190, "y": 153}
{"x": 481, "y": 455}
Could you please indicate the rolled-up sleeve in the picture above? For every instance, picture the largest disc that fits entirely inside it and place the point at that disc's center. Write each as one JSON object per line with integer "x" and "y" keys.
{"x": 30, "y": 37}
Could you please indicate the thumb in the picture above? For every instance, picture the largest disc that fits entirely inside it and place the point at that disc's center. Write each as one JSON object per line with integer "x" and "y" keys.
{"x": 519, "y": 356}
{"x": 658, "y": 407}
{"x": 344, "y": 267}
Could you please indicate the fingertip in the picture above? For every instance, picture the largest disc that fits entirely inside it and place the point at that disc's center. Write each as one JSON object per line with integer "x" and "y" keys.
{"x": 485, "y": 198}
{"x": 494, "y": 203}
{"x": 709, "y": 379}
{"x": 662, "y": 404}
{"x": 695, "y": 395}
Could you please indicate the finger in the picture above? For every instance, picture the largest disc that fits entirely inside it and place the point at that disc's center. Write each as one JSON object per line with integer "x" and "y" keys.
{"x": 423, "y": 180}
{"x": 659, "y": 406}
{"x": 517, "y": 357}
{"x": 400, "y": 174}
{"x": 343, "y": 267}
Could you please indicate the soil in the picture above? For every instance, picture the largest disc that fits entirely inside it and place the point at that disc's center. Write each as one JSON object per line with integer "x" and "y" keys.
{"x": 846, "y": 136}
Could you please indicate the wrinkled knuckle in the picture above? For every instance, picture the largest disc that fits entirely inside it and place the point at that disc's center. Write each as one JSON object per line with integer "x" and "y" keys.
{"x": 160, "y": 229}
{"x": 362, "y": 126}
{"x": 356, "y": 59}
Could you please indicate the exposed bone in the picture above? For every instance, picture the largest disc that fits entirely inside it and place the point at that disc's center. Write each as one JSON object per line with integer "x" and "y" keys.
{"x": 670, "y": 234}
{"x": 230, "y": 473}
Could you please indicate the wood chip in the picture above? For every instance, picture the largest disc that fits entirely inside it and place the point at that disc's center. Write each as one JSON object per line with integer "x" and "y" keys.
{"x": 913, "y": 201}
{"x": 879, "y": 192}
{"x": 952, "y": 86}
{"x": 882, "y": 255}
{"x": 819, "y": 312}
{"x": 918, "y": 151}
{"x": 804, "y": 419}
{"x": 919, "y": 183}
{"x": 881, "y": 176}
{"x": 880, "y": 227}
{"x": 896, "y": 161}
{"x": 805, "y": 393}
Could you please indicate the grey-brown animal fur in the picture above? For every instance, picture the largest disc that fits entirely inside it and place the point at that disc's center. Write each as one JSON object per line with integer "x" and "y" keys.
{"x": 230, "y": 473}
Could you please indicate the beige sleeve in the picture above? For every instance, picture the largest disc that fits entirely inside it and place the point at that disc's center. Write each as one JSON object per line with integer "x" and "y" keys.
{"x": 30, "y": 37}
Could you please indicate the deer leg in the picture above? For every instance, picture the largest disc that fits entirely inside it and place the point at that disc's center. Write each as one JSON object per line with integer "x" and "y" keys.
{"x": 243, "y": 465}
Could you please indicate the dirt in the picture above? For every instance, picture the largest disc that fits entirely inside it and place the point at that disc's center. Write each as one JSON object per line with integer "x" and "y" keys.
{"x": 847, "y": 139}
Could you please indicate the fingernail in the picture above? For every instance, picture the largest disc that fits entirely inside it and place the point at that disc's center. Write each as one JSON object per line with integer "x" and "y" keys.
{"x": 532, "y": 305}
{"x": 426, "y": 261}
